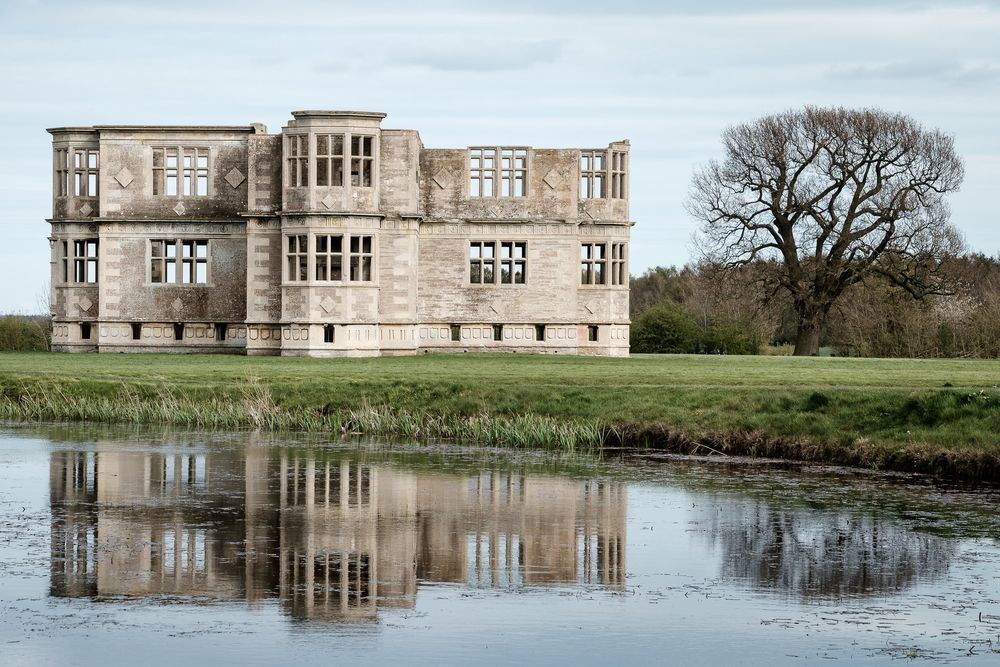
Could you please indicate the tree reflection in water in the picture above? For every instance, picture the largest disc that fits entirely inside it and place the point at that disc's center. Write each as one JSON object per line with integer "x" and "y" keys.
{"x": 821, "y": 553}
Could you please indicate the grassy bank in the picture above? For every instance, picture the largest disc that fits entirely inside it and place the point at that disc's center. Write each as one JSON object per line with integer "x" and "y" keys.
{"x": 940, "y": 416}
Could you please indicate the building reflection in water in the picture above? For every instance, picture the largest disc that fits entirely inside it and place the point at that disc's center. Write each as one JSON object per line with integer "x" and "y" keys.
{"x": 331, "y": 538}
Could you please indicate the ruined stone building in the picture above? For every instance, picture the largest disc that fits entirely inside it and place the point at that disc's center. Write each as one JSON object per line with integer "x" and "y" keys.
{"x": 334, "y": 237}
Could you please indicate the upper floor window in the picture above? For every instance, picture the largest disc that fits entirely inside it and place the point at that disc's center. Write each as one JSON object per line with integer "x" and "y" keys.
{"x": 85, "y": 167}
{"x": 513, "y": 168}
{"x": 619, "y": 169}
{"x": 80, "y": 261}
{"x": 330, "y": 160}
{"x": 62, "y": 172}
{"x": 179, "y": 171}
{"x": 362, "y": 158}
{"x": 298, "y": 160}
{"x": 486, "y": 267}
{"x": 297, "y": 257}
{"x": 178, "y": 261}
{"x": 592, "y": 174}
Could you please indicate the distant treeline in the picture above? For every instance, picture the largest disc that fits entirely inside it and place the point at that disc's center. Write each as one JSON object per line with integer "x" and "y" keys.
{"x": 25, "y": 333}
{"x": 705, "y": 309}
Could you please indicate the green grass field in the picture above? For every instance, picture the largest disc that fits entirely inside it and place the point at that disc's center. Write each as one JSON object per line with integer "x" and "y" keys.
{"x": 905, "y": 414}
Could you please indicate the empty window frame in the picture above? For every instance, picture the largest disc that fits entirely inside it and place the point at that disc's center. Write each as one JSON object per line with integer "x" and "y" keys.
{"x": 328, "y": 333}
{"x": 539, "y": 332}
{"x": 329, "y": 257}
{"x": 297, "y": 257}
{"x": 361, "y": 257}
{"x": 85, "y": 168}
{"x": 513, "y": 262}
{"x": 182, "y": 261}
{"x": 592, "y": 332}
{"x": 330, "y": 160}
{"x": 482, "y": 262}
{"x": 62, "y": 172}
{"x": 80, "y": 261}
{"x": 593, "y": 263}
{"x": 456, "y": 332}
{"x": 486, "y": 268}
{"x": 513, "y": 170}
{"x": 592, "y": 174}
{"x": 85, "y": 330}
{"x": 497, "y": 332}
{"x": 136, "y": 330}
{"x": 298, "y": 160}
{"x": 179, "y": 171}
{"x": 362, "y": 159}
{"x": 619, "y": 270}
{"x": 619, "y": 168}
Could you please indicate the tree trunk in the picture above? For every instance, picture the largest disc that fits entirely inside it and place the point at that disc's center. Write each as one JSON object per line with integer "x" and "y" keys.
{"x": 807, "y": 341}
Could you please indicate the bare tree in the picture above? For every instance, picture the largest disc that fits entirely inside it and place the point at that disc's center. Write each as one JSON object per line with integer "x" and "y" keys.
{"x": 834, "y": 195}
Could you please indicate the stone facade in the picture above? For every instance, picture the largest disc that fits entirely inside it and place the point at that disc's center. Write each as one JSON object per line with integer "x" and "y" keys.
{"x": 334, "y": 238}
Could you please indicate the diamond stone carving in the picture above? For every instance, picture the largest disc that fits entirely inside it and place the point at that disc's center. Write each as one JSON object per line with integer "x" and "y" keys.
{"x": 177, "y": 304}
{"x": 553, "y": 179}
{"x": 328, "y": 201}
{"x": 443, "y": 179}
{"x": 124, "y": 177}
{"x": 85, "y": 303}
{"x": 590, "y": 306}
{"x": 86, "y": 210}
{"x": 327, "y": 304}
{"x": 179, "y": 209}
{"x": 235, "y": 177}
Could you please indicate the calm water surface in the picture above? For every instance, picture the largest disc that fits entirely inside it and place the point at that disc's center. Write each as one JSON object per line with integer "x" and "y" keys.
{"x": 121, "y": 547}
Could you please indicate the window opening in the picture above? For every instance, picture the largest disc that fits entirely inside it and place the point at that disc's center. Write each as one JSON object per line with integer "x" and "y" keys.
{"x": 330, "y": 160}
{"x": 361, "y": 258}
{"x": 361, "y": 160}
{"x": 592, "y": 173}
{"x": 329, "y": 257}
{"x": 497, "y": 332}
{"x": 178, "y": 261}
{"x": 593, "y": 261}
{"x": 619, "y": 167}
{"x": 539, "y": 332}
{"x": 592, "y": 333}
{"x": 619, "y": 272}
{"x": 85, "y": 168}
{"x": 85, "y": 330}
{"x": 456, "y": 332}
{"x": 136, "y": 330}
{"x": 178, "y": 330}
{"x": 328, "y": 334}
{"x": 298, "y": 160}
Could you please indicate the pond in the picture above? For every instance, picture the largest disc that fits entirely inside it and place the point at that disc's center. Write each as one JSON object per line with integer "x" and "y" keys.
{"x": 119, "y": 546}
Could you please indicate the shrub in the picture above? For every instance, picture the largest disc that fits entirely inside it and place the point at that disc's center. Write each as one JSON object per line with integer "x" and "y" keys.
{"x": 24, "y": 334}
{"x": 666, "y": 327}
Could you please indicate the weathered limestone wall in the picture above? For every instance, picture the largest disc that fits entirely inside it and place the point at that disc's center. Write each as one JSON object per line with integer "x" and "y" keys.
{"x": 127, "y": 173}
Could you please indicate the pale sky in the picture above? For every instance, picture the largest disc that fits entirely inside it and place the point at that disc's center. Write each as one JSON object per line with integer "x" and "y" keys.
{"x": 669, "y": 76}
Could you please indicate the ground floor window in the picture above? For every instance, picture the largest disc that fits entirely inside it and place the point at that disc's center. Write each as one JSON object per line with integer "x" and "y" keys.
{"x": 329, "y": 257}
{"x": 493, "y": 262}
{"x": 80, "y": 261}
{"x": 178, "y": 261}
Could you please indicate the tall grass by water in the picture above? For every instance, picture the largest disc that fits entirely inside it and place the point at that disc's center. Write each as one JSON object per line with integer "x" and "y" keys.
{"x": 939, "y": 416}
